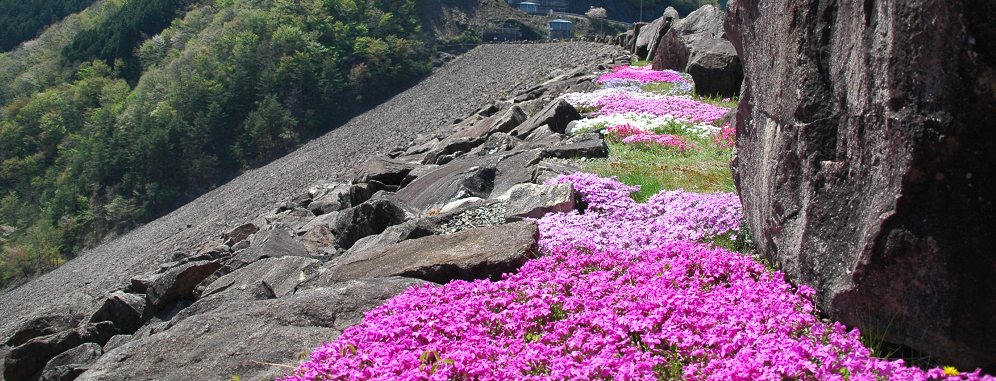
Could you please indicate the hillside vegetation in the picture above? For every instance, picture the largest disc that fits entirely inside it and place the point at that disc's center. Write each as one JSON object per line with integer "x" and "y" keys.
{"x": 227, "y": 87}
{"x": 22, "y": 20}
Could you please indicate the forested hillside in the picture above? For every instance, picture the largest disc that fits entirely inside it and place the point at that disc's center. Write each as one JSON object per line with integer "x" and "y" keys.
{"x": 22, "y": 20}
{"x": 137, "y": 129}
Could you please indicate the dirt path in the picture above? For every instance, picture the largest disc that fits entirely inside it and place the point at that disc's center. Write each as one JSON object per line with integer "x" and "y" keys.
{"x": 453, "y": 91}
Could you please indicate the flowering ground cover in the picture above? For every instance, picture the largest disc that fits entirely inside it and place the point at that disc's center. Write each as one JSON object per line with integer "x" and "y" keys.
{"x": 662, "y": 289}
{"x": 611, "y": 300}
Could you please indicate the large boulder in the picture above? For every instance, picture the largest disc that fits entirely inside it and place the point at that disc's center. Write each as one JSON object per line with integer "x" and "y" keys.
{"x": 865, "y": 159}
{"x": 697, "y": 44}
{"x": 482, "y": 253}
{"x": 650, "y": 34}
{"x": 715, "y": 67}
{"x": 240, "y": 338}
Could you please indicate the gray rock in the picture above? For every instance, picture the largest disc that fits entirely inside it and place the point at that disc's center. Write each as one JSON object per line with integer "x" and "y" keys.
{"x": 535, "y": 201}
{"x": 516, "y": 168}
{"x": 450, "y": 147}
{"x": 272, "y": 243}
{"x": 280, "y": 274}
{"x": 590, "y": 144}
{"x": 556, "y": 115}
{"x": 332, "y": 198}
{"x": 467, "y": 176}
{"x": 177, "y": 283}
{"x": 240, "y": 233}
{"x": 70, "y": 364}
{"x": 123, "y": 309}
{"x": 404, "y": 231}
{"x": 360, "y": 193}
{"x": 318, "y": 240}
{"x": 268, "y": 278}
{"x": 498, "y": 142}
{"x": 370, "y": 217}
{"x": 383, "y": 169}
{"x": 865, "y": 163}
{"x": 483, "y": 253}
{"x": 239, "y": 337}
{"x": 508, "y": 121}
{"x": 551, "y": 168}
{"x": 116, "y": 341}
{"x": 29, "y": 358}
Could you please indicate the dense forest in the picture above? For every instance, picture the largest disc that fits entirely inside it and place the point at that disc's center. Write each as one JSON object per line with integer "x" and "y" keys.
{"x": 150, "y": 117}
{"x": 22, "y": 20}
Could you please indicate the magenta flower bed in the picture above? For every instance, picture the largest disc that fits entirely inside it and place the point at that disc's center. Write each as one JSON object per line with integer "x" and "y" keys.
{"x": 641, "y": 75}
{"x": 612, "y": 302}
{"x": 679, "y": 108}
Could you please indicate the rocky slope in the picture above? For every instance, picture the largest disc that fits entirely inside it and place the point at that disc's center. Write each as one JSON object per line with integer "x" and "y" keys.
{"x": 455, "y": 90}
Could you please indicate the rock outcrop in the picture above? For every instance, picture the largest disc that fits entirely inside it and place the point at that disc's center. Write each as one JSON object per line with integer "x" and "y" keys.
{"x": 698, "y": 45}
{"x": 865, "y": 146}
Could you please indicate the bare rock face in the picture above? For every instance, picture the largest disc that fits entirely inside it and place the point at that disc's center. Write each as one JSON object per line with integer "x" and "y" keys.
{"x": 865, "y": 162}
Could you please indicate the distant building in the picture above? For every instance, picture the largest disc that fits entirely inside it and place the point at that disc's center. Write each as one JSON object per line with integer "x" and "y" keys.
{"x": 542, "y": 6}
{"x": 528, "y": 7}
{"x": 559, "y": 29}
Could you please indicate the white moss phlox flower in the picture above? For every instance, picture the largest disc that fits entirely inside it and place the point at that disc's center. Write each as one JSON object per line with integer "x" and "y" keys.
{"x": 646, "y": 122}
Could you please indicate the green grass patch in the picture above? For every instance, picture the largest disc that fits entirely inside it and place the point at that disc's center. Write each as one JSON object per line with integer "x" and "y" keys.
{"x": 704, "y": 168}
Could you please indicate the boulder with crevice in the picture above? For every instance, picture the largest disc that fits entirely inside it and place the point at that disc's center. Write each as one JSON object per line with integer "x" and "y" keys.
{"x": 864, "y": 163}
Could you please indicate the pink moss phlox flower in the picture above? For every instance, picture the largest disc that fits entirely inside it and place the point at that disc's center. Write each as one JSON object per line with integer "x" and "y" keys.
{"x": 641, "y": 75}
{"x": 613, "y": 220}
{"x": 627, "y": 133}
{"x": 650, "y": 140}
{"x": 725, "y": 137}
{"x": 679, "y": 108}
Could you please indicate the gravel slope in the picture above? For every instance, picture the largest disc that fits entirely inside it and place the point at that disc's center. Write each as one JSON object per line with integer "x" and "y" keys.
{"x": 453, "y": 91}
